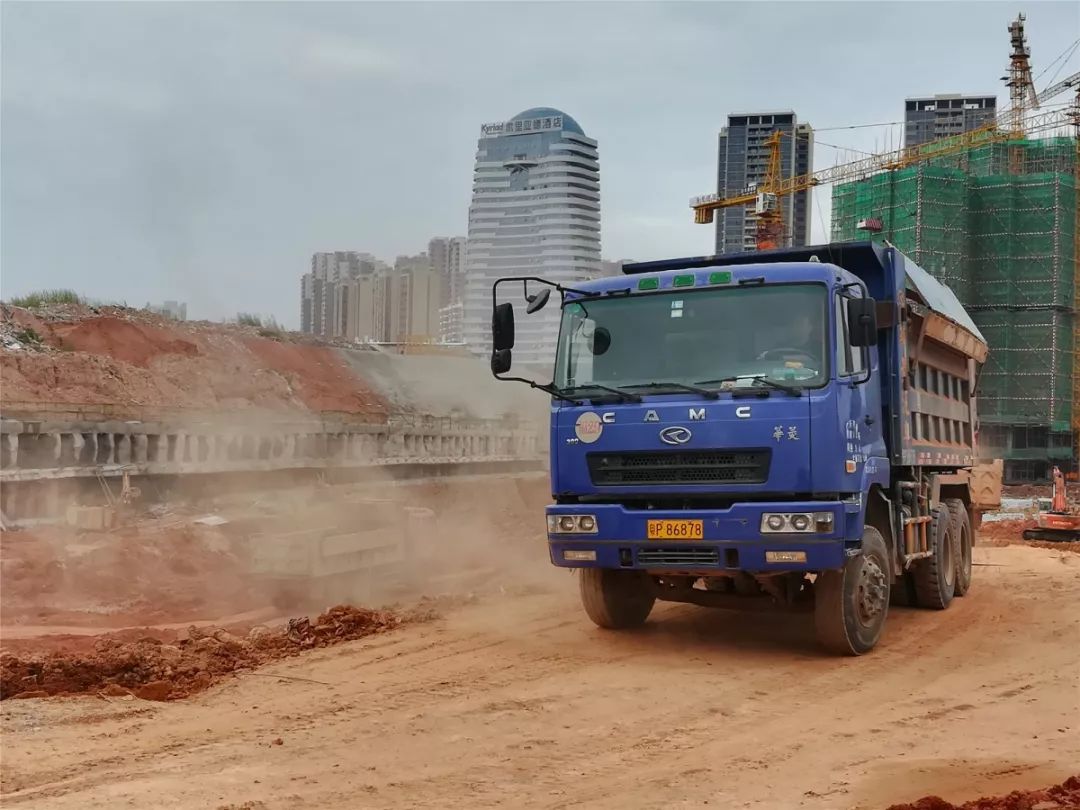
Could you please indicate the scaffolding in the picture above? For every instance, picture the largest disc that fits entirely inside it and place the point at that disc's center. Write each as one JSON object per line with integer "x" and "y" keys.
{"x": 997, "y": 224}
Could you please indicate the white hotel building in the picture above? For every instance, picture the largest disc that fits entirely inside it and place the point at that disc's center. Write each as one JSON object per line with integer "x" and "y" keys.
{"x": 535, "y": 212}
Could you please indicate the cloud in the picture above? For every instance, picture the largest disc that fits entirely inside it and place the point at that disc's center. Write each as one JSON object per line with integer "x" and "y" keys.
{"x": 339, "y": 56}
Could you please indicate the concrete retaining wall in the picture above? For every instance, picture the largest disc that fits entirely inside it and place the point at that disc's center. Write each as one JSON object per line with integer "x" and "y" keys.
{"x": 48, "y": 449}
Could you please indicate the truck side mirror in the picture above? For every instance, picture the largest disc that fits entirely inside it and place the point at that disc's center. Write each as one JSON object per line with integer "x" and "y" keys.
{"x": 862, "y": 321}
{"x": 537, "y": 301}
{"x": 500, "y": 361}
{"x": 502, "y": 330}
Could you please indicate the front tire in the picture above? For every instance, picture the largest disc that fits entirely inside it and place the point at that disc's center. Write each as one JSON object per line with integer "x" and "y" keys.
{"x": 935, "y": 576}
{"x": 850, "y": 605}
{"x": 962, "y": 543}
{"x": 616, "y": 600}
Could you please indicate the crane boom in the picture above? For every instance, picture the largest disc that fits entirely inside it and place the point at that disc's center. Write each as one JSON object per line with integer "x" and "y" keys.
{"x": 705, "y": 205}
{"x": 1056, "y": 89}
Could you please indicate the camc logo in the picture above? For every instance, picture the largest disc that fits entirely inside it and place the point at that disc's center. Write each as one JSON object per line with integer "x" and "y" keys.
{"x": 675, "y": 435}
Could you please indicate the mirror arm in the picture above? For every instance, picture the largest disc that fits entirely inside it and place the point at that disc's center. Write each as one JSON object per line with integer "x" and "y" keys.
{"x": 523, "y": 279}
{"x": 547, "y": 388}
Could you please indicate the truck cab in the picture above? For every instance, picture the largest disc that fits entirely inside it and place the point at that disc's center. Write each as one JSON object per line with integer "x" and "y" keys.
{"x": 747, "y": 427}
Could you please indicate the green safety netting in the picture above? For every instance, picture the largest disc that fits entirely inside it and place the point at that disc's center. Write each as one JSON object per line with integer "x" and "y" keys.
{"x": 997, "y": 224}
{"x": 1027, "y": 379}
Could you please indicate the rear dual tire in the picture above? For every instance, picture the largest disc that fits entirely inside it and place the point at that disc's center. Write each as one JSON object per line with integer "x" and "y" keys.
{"x": 936, "y": 576}
{"x": 963, "y": 541}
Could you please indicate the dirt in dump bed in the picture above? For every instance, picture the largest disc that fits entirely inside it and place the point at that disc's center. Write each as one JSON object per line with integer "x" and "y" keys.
{"x": 157, "y": 667}
{"x": 1065, "y": 796}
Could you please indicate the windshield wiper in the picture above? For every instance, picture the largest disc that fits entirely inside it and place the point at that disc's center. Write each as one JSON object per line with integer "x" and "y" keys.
{"x": 793, "y": 390}
{"x": 622, "y": 395}
{"x": 550, "y": 388}
{"x": 693, "y": 389}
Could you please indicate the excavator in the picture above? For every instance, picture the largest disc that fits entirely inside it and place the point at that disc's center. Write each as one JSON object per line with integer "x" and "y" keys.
{"x": 1060, "y": 523}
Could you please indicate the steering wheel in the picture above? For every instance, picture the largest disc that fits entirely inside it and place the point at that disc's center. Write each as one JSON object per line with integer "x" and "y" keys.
{"x": 786, "y": 351}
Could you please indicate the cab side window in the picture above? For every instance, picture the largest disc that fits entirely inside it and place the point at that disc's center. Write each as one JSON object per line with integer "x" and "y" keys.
{"x": 850, "y": 360}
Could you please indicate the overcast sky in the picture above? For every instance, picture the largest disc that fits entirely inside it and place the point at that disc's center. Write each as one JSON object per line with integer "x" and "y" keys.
{"x": 204, "y": 151}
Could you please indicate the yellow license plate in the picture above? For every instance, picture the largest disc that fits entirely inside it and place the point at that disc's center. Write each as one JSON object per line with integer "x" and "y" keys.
{"x": 675, "y": 529}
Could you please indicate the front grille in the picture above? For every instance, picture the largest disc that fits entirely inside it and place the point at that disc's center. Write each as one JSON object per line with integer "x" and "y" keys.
{"x": 685, "y": 556}
{"x": 679, "y": 467}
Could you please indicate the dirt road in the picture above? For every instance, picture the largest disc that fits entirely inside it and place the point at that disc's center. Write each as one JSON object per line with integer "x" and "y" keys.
{"x": 517, "y": 701}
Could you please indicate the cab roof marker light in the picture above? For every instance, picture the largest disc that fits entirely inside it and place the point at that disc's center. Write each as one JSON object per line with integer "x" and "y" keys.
{"x": 683, "y": 281}
{"x": 648, "y": 284}
{"x": 721, "y": 277}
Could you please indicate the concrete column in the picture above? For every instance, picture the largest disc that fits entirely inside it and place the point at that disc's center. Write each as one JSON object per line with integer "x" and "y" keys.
{"x": 9, "y": 450}
{"x": 139, "y": 446}
{"x": 78, "y": 448}
{"x": 68, "y": 455}
{"x": 122, "y": 448}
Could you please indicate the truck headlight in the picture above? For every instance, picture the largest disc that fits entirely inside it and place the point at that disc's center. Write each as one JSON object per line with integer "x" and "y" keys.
{"x": 796, "y": 522}
{"x": 572, "y": 524}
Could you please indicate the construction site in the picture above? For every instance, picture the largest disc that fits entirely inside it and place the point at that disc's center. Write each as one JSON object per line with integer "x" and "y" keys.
{"x": 991, "y": 212}
{"x": 245, "y": 568}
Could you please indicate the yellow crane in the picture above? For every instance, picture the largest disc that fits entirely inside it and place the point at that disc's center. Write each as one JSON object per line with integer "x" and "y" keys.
{"x": 765, "y": 196}
{"x": 1012, "y": 124}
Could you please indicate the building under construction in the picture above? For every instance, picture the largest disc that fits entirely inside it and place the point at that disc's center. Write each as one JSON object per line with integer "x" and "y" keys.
{"x": 998, "y": 224}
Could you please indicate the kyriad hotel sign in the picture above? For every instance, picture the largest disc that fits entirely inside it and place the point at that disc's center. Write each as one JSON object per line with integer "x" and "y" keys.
{"x": 520, "y": 127}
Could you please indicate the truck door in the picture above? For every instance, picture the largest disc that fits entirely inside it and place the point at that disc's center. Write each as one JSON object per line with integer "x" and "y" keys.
{"x": 859, "y": 405}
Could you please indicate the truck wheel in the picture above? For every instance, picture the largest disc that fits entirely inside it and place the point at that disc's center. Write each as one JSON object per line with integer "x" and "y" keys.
{"x": 616, "y": 600}
{"x": 850, "y": 605}
{"x": 962, "y": 542}
{"x": 935, "y": 576}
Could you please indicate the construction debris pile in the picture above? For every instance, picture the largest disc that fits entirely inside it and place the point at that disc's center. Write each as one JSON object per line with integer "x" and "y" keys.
{"x": 168, "y": 665}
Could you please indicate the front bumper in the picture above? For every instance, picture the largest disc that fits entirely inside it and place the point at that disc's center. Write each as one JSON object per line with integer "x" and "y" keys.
{"x": 731, "y": 541}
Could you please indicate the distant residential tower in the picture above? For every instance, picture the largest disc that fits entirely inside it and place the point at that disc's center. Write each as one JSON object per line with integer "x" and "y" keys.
{"x": 742, "y": 159}
{"x": 926, "y": 119}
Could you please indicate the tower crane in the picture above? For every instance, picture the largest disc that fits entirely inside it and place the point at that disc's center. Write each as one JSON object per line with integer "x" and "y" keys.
{"x": 765, "y": 197}
{"x": 1011, "y": 124}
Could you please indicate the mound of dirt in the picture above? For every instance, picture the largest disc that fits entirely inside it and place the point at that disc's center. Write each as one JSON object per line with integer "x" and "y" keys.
{"x": 129, "y": 357}
{"x": 124, "y": 340}
{"x": 1007, "y": 530}
{"x": 321, "y": 379}
{"x": 1065, "y": 796}
{"x": 152, "y": 669}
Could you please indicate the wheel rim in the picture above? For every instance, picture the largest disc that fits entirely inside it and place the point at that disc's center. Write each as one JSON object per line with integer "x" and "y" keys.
{"x": 870, "y": 592}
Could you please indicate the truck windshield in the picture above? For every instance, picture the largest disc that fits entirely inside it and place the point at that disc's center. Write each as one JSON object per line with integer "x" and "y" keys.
{"x": 699, "y": 337}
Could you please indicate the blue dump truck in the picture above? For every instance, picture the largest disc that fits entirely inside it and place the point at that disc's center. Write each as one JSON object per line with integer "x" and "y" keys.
{"x": 787, "y": 429}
